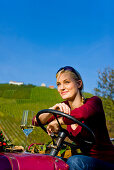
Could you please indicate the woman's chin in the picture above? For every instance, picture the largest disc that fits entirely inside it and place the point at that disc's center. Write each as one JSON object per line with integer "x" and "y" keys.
{"x": 65, "y": 97}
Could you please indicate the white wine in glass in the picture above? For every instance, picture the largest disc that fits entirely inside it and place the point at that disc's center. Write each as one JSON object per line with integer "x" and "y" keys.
{"x": 26, "y": 124}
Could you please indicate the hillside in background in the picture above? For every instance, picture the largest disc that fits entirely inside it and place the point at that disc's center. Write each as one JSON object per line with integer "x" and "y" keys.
{"x": 14, "y": 100}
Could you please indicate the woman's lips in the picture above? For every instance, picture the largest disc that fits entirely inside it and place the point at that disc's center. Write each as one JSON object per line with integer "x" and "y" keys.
{"x": 64, "y": 92}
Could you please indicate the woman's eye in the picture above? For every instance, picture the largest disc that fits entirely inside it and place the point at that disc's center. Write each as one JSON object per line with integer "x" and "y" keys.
{"x": 58, "y": 84}
{"x": 67, "y": 82}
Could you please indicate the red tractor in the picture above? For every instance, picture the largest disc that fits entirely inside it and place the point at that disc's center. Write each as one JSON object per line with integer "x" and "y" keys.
{"x": 29, "y": 161}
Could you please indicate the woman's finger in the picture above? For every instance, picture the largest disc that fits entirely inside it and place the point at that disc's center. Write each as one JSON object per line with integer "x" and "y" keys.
{"x": 53, "y": 127}
{"x": 62, "y": 107}
{"x": 58, "y": 106}
{"x": 66, "y": 108}
{"x": 49, "y": 130}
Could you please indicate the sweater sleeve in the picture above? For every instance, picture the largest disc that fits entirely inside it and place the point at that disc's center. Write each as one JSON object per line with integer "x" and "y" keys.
{"x": 92, "y": 106}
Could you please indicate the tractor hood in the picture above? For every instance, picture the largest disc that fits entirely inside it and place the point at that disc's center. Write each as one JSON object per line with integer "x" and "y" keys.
{"x": 28, "y": 161}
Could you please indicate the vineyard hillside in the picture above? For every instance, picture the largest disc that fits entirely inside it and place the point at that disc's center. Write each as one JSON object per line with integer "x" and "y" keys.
{"x": 14, "y": 100}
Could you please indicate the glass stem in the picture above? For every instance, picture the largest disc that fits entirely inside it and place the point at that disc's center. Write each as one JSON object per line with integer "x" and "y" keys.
{"x": 26, "y": 142}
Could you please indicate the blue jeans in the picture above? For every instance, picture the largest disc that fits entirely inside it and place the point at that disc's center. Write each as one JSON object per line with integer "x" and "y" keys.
{"x": 79, "y": 162}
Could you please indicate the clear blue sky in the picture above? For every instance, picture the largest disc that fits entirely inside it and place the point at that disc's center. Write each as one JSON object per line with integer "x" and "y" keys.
{"x": 37, "y": 37}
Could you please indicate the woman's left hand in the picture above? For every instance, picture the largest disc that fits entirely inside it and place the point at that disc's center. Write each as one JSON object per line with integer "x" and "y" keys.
{"x": 54, "y": 126}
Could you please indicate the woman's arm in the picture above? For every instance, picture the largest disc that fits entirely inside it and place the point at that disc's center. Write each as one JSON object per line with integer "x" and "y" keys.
{"x": 47, "y": 117}
{"x": 43, "y": 118}
{"x": 90, "y": 108}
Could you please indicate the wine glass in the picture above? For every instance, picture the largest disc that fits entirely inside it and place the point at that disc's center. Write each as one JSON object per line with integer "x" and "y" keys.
{"x": 26, "y": 124}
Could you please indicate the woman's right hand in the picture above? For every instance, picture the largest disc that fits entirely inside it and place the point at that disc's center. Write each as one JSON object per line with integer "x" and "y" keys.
{"x": 61, "y": 107}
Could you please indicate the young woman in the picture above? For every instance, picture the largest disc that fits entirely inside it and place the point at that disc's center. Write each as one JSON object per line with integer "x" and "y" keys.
{"x": 89, "y": 111}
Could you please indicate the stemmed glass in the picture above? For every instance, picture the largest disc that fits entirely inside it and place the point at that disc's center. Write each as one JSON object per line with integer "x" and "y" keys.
{"x": 26, "y": 124}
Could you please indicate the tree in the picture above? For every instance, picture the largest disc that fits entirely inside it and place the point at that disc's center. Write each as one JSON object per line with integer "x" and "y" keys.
{"x": 105, "y": 84}
{"x": 105, "y": 90}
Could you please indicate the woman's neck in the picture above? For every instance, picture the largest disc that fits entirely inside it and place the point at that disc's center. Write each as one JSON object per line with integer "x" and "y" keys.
{"x": 77, "y": 102}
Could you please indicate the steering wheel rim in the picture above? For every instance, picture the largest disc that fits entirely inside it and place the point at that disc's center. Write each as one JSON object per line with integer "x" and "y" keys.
{"x": 55, "y": 113}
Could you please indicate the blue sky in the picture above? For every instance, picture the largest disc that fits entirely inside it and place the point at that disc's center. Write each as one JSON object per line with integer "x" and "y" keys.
{"x": 37, "y": 37}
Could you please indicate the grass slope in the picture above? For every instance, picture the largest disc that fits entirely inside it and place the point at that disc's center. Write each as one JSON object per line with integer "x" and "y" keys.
{"x": 14, "y": 100}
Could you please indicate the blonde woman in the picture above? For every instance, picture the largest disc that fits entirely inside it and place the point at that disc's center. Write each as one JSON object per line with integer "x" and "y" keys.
{"x": 89, "y": 111}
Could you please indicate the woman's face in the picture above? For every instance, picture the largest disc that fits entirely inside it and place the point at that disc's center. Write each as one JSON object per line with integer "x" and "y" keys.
{"x": 68, "y": 88}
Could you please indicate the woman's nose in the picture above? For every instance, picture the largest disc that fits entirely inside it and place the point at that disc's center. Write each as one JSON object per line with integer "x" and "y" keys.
{"x": 62, "y": 86}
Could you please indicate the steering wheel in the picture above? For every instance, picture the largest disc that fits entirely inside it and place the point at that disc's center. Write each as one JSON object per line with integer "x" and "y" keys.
{"x": 63, "y": 131}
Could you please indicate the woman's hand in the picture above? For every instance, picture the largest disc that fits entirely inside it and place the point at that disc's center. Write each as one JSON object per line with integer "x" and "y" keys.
{"x": 54, "y": 126}
{"x": 61, "y": 107}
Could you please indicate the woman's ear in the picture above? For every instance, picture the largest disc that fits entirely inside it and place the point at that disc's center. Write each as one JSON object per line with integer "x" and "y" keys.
{"x": 79, "y": 83}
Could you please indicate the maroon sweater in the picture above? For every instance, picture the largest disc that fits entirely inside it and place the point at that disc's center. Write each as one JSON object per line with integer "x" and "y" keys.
{"x": 92, "y": 114}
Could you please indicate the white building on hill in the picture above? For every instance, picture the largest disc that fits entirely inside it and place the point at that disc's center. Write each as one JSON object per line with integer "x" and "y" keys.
{"x": 16, "y": 83}
{"x": 43, "y": 85}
